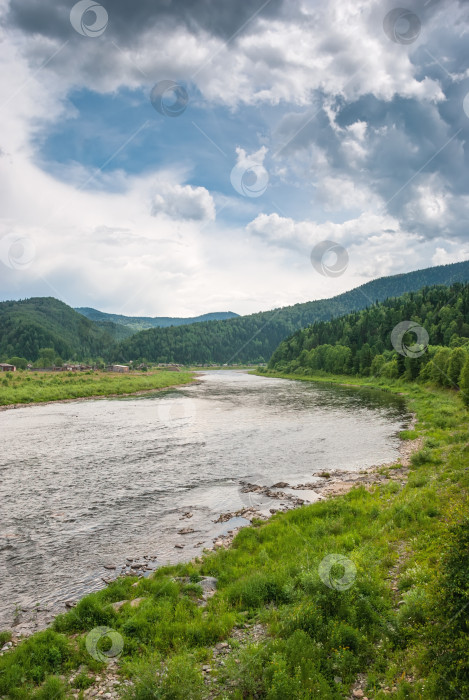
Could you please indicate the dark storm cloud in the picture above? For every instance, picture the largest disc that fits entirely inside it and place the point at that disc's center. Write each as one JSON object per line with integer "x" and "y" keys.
{"x": 127, "y": 20}
{"x": 410, "y": 142}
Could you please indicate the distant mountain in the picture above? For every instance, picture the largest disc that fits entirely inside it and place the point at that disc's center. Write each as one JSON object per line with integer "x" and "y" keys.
{"x": 140, "y": 323}
{"x": 254, "y": 338}
{"x": 29, "y": 325}
{"x": 44, "y": 322}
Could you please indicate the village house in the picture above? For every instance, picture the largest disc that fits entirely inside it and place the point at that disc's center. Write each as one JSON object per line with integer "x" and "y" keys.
{"x": 119, "y": 368}
{"x": 4, "y": 367}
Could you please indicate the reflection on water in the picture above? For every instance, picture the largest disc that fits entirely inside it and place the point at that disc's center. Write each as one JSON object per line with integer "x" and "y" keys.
{"x": 91, "y": 483}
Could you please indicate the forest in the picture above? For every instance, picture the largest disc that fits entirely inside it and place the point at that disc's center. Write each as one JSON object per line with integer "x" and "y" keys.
{"x": 29, "y": 326}
{"x": 255, "y": 337}
{"x": 361, "y": 343}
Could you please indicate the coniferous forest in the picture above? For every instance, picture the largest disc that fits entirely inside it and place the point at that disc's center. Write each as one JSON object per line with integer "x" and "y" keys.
{"x": 360, "y": 343}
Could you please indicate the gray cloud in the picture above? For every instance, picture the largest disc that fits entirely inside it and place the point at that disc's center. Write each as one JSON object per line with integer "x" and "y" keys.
{"x": 415, "y": 153}
{"x": 127, "y": 20}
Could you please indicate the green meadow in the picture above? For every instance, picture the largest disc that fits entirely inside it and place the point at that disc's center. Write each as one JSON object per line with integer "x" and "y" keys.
{"x": 389, "y": 607}
{"x": 37, "y": 387}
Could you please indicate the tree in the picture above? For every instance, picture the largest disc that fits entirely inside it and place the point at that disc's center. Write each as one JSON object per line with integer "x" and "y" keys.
{"x": 46, "y": 357}
{"x": 19, "y": 362}
{"x": 455, "y": 365}
{"x": 464, "y": 382}
{"x": 377, "y": 365}
{"x": 439, "y": 370}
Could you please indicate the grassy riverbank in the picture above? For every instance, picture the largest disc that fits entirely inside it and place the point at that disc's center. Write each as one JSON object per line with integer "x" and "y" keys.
{"x": 38, "y": 387}
{"x": 386, "y": 616}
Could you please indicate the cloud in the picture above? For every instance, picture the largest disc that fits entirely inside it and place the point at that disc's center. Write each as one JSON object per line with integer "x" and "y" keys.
{"x": 51, "y": 18}
{"x": 363, "y": 139}
{"x": 184, "y": 202}
{"x": 303, "y": 235}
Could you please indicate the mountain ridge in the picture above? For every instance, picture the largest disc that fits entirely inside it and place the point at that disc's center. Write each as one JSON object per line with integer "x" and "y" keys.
{"x": 254, "y": 338}
{"x": 137, "y": 323}
{"x": 26, "y": 326}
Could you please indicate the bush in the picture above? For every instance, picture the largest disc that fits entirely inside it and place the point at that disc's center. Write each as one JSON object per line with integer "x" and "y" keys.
{"x": 89, "y": 613}
{"x": 464, "y": 383}
{"x": 258, "y": 590}
{"x": 4, "y": 638}
{"x": 33, "y": 660}
{"x": 53, "y": 689}
{"x": 182, "y": 680}
{"x": 448, "y": 639}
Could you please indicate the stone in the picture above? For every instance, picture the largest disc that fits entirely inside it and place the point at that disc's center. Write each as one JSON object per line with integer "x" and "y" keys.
{"x": 136, "y": 602}
{"x": 358, "y": 693}
{"x": 281, "y": 485}
{"x": 110, "y": 567}
{"x": 179, "y": 546}
{"x": 186, "y": 531}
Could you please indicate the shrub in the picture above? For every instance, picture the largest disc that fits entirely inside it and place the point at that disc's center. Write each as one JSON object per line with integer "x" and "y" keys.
{"x": 258, "y": 590}
{"x": 33, "y": 660}
{"x": 448, "y": 639}
{"x": 4, "y": 637}
{"x": 464, "y": 383}
{"x": 53, "y": 689}
{"x": 87, "y": 614}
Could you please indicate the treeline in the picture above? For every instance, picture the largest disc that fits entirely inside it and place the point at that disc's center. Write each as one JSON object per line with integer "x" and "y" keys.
{"x": 360, "y": 343}
{"x": 255, "y": 337}
{"x": 30, "y": 325}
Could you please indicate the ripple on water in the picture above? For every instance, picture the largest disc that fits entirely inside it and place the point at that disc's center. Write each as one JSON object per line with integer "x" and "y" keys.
{"x": 93, "y": 482}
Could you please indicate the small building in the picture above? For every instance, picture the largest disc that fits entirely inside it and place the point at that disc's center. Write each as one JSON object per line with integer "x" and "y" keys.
{"x": 4, "y": 367}
{"x": 119, "y": 368}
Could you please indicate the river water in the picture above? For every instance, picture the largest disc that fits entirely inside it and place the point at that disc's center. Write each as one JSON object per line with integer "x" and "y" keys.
{"x": 97, "y": 483}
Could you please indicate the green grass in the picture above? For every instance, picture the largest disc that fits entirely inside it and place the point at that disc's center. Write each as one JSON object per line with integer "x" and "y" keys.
{"x": 318, "y": 637}
{"x": 36, "y": 387}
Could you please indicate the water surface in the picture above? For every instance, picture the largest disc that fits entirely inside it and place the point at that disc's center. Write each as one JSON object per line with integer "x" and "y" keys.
{"x": 98, "y": 482}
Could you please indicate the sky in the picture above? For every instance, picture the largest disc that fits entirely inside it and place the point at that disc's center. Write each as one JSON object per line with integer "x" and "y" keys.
{"x": 176, "y": 158}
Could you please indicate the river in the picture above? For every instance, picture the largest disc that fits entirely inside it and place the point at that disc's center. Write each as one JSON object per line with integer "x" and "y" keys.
{"x": 95, "y": 484}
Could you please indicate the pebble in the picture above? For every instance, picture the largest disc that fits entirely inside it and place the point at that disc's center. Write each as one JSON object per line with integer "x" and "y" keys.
{"x": 179, "y": 546}
{"x": 358, "y": 693}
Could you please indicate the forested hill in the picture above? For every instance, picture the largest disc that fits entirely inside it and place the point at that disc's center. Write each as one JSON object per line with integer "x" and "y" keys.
{"x": 44, "y": 322}
{"x": 254, "y": 338}
{"x": 140, "y": 323}
{"x": 368, "y": 343}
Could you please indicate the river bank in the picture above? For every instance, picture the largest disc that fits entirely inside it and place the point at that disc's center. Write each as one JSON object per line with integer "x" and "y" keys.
{"x": 26, "y": 389}
{"x": 87, "y": 486}
{"x": 280, "y": 605}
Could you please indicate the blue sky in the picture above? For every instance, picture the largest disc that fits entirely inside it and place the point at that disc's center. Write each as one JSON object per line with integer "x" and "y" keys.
{"x": 348, "y": 119}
